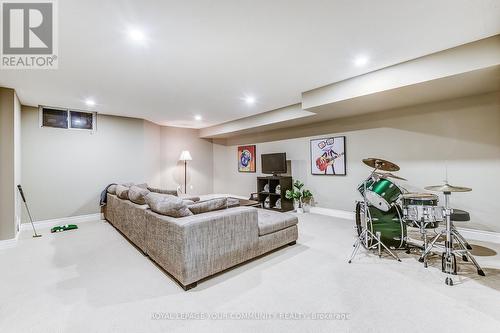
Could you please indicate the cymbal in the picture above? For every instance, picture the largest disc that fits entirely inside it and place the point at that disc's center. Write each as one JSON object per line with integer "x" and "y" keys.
{"x": 447, "y": 188}
{"x": 389, "y": 175}
{"x": 380, "y": 164}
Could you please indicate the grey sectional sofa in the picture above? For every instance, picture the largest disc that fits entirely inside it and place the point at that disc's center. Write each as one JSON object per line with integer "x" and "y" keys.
{"x": 194, "y": 247}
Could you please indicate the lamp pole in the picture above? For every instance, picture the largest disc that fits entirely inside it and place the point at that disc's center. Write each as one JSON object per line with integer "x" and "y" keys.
{"x": 185, "y": 176}
{"x": 185, "y": 156}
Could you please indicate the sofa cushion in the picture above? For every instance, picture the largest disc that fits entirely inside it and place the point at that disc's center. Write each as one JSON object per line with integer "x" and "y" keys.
{"x": 136, "y": 194}
{"x": 270, "y": 221}
{"x": 208, "y": 205}
{"x": 166, "y": 204}
{"x": 162, "y": 191}
{"x": 122, "y": 191}
{"x": 189, "y": 197}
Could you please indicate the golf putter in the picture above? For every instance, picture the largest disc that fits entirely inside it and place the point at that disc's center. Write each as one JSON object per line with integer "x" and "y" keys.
{"x": 28, "y": 210}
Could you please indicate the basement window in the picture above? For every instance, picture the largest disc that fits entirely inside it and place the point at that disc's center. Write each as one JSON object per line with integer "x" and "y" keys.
{"x": 67, "y": 119}
{"x": 54, "y": 118}
{"x": 81, "y": 120}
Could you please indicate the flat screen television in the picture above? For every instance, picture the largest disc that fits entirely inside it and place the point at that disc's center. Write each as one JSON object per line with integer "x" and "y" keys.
{"x": 273, "y": 163}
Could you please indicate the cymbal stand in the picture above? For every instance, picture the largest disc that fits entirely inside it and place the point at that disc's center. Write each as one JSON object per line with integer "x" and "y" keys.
{"x": 423, "y": 232}
{"x": 366, "y": 235}
{"x": 448, "y": 258}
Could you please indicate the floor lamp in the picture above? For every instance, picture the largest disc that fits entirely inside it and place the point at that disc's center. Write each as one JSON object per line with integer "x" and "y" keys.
{"x": 185, "y": 156}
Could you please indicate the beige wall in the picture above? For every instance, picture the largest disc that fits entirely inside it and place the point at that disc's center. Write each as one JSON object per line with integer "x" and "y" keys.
{"x": 64, "y": 171}
{"x": 152, "y": 153}
{"x": 17, "y": 161}
{"x": 10, "y": 163}
{"x": 199, "y": 171}
{"x": 462, "y": 134}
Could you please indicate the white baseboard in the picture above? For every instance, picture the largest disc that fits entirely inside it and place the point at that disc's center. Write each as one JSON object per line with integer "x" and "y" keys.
{"x": 220, "y": 195}
{"x": 65, "y": 220}
{"x": 479, "y": 235}
{"x": 18, "y": 224}
{"x": 9, "y": 243}
{"x": 341, "y": 214}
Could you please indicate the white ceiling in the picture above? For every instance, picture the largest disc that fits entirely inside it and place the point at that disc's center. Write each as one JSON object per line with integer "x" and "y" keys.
{"x": 203, "y": 57}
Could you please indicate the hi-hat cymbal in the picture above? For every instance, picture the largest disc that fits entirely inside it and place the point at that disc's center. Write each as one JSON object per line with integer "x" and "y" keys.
{"x": 389, "y": 175}
{"x": 380, "y": 164}
{"x": 447, "y": 188}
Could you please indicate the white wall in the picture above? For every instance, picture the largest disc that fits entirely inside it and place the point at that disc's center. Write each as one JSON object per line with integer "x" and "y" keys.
{"x": 199, "y": 171}
{"x": 462, "y": 134}
{"x": 64, "y": 171}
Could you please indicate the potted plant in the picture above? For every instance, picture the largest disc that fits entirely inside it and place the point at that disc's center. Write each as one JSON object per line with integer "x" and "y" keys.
{"x": 295, "y": 194}
{"x": 306, "y": 200}
{"x": 301, "y": 198}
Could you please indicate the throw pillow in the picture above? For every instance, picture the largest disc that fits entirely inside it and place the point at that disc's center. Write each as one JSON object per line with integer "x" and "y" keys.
{"x": 162, "y": 191}
{"x": 232, "y": 202}
{"x": 208, "y": 205}
{"x": 136, "y": 194}
{"x": 112, "y": 189}
{"x": 166, "y": 204}
{"x": 122, "y": 192}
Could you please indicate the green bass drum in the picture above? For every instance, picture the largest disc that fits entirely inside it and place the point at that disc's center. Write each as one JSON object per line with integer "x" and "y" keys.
{"x": 390, "y": 225}
{"x": 380, "y": 192}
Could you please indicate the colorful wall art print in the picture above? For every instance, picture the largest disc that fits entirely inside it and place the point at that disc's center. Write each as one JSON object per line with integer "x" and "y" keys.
{"x": 328, "y": 156}
{"x": 246, "y": 158}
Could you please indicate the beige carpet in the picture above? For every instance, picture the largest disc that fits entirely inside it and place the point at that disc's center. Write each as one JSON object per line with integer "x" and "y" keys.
{"x": 93, "y": 280}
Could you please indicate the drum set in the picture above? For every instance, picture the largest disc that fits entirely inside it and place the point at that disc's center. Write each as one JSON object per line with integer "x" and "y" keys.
{"x": 388, "y": 209}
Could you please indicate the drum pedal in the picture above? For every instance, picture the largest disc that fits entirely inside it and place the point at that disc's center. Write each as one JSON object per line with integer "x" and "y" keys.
{"x": 449, "y": 264}
{"x": 448, "y": 281}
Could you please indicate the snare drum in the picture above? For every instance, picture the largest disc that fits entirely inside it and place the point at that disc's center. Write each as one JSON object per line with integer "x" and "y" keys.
{"x": 380, "y": 192}
{"x": 422, "y": 210}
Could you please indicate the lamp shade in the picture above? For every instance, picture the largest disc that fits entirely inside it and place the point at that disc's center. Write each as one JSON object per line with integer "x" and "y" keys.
{"x": 185, "y": 156}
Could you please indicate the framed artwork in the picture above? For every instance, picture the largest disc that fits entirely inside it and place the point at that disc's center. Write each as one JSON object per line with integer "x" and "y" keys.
{"x": 328, "y": 156}
{"x": 246, "y": 158}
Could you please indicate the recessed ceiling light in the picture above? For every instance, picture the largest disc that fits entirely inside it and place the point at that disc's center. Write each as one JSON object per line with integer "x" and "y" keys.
{"x": 250, "y": 100}
{"x": 90, "y": 102}
{"x": 361, "y": 60}
{"x": 197, "y": 117}
{"x": 137, "y": 35}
